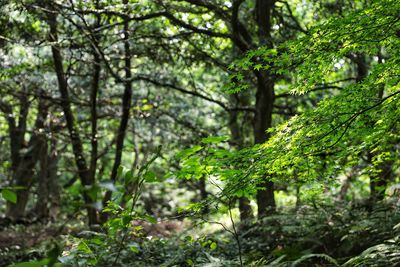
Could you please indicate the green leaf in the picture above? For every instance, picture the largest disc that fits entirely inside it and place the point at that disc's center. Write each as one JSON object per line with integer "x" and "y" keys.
{"x": 36, "y": 25}
{"x": 9, "y": 195}
{"x": 150, "y": 219}
{"x": 129, "y": 177}
{"x": 258, "y": 66}
{"x": 147, "y": 107}
{"x": 120, "y": 171}
{"x": 188, "y": 152}
{"x": 214, "y": 139}
{"x": 150, "y": 177}
{"x": 92, "y": 192}
{"x": 134, "y": 247}
{"x": 189, "y": 239}
{"x": 213, "y": 246}
{"x": 83, "y": 247}
{"x": 127, "y": 219}
{"x": 190, "y": 262}
{"x": 54, "y": 252}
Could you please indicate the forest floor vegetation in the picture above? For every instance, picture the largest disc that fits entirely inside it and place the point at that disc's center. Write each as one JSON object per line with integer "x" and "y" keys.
{"x": 335, "y": 234}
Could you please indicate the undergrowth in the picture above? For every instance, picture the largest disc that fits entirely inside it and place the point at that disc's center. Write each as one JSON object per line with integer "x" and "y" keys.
{"x": 323, "y": 235}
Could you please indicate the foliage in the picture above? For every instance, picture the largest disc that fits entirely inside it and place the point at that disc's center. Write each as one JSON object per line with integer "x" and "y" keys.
{"x": 306, "y": 125}
{"x": 362, "y": 117}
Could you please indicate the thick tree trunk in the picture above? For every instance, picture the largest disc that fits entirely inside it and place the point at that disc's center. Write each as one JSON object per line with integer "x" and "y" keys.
{"x": 42, "y": 204}
{"x": 264, "y": 103}
{"x": 17, "y": 132}
{"x": 23, "y": 179}
{"x": 48, "y": 203}
{"x": 24, "y": 172}
{"x": 262, "y": 122}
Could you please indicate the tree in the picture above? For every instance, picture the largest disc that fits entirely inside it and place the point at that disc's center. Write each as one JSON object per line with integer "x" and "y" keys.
{"x": 244, "y": 39}
{"x": 340, "y": 127}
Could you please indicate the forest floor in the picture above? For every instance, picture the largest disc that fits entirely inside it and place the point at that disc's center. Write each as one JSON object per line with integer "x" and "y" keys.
{"x": 22, "y": 242}
{"x": 326, "y": 235}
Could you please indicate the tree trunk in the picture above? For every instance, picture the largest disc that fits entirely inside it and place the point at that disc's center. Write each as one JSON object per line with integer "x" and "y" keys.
{"x": 84, "y": 172}
{"x": 42, "y": 204}
{"x": 48, "y": 203}
{"x": 17, "y": 132}
{"x": 264, "y": 104}
{"x": 378, "y": 182}
{"x": 23, "y": 174}
{"x": 126, "y": 106}
{"x": 53, "y": 186}
{"x": 203, "y": 194}
{"x": 262, "y": 122}
{"x": 95, "y": 86}
{"x": 22, "y": 178}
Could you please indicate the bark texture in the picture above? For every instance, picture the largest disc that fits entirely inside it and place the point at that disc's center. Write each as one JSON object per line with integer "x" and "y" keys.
{"x": 84, "y": 173}
{"x": 264, "y": 103}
